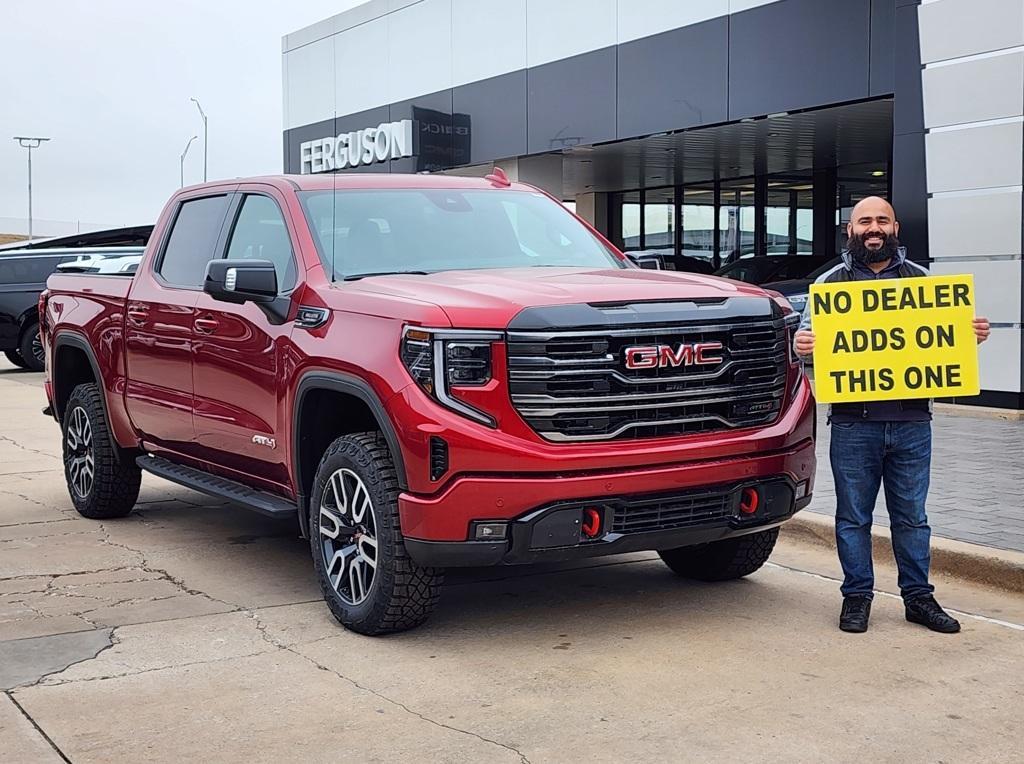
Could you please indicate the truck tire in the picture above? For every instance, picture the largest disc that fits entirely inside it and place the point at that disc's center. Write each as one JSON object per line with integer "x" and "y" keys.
{"x": 101, "y": 485}
{"x": 368, "y": 580}
{"x": 30, "y": 348}
{"x": 722, "y": 560}
{"x": 15, "y": 357}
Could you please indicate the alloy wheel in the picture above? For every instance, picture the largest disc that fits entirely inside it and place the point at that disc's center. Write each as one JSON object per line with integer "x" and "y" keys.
{"x": 79, "y": 454}
{"x": 37, "y": 348}
{"x": 348, "y": 536}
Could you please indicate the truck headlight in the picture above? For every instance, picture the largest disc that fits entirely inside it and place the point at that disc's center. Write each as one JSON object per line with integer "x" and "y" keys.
{"x": 442, "y": 359}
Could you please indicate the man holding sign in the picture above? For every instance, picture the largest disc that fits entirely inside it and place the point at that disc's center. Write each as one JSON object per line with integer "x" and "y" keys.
{"x": 882, "y": 349}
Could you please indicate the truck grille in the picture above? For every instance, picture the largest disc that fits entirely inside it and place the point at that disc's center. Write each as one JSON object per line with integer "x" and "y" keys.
{"x": 659, "y": 513}
{"x": 574, "y": 385}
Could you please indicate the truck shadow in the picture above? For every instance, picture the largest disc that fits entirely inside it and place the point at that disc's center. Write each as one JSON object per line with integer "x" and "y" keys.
{"x": 609, "y": 594}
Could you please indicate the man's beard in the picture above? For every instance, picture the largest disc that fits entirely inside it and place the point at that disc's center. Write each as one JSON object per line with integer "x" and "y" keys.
{"x": 861, "y": 254}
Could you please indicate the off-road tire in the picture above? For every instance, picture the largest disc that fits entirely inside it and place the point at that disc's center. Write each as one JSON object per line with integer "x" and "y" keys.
{"x": 15, "y": 357}
{"x": 403, "y": 594}
{"x": 722, "y": 560}
{"x": 26, "y": 349}
{"x": 117, "y": 478}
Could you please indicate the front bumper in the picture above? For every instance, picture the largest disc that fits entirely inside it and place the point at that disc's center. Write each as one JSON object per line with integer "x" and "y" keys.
{"x": 628, "y": 524}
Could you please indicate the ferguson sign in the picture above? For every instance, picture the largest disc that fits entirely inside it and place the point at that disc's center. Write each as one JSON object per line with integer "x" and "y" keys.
{"x": 389, "y": 140}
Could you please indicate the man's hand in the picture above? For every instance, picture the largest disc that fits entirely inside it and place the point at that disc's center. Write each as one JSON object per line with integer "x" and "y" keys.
{"x": 804, "y": 341}
{"x": 981, "y": 329}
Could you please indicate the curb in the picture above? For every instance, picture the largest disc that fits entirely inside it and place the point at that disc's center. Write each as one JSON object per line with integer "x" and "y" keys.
{"x": 999, "y": 568}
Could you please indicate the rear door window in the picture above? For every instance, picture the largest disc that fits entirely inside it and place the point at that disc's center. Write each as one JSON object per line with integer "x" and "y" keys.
{"x": 193, "y": 241}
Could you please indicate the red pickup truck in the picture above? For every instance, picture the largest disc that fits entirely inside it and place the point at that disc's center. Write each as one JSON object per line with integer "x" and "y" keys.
{"x": 430, "y": 372}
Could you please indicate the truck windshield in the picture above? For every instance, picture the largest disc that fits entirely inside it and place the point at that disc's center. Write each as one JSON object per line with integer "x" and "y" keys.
{"x": 427, "y": 230}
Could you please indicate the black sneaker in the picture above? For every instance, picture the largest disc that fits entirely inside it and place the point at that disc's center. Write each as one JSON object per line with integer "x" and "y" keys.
{"x": 856, "y": 611}
{"x": 927, "y": 612}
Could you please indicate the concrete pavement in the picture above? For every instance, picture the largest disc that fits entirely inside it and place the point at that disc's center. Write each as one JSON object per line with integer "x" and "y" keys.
{"x": 194, "y": 630}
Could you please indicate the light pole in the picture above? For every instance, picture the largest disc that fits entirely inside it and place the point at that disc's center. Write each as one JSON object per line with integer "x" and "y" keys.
{"x": 29, "y": 143}
{"x": 203, "y": 115}
{"x": 182, "y": 163}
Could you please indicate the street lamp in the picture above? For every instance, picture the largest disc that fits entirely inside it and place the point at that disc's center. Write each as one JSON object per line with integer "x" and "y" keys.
{"x": 29, "y": 143}
{"x": 203, "y": 115}
{"x": 183, "y": 153}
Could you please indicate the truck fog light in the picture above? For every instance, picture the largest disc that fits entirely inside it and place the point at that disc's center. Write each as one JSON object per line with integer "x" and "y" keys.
{"x": 490, "y": 531}
{"x": 749, "y": 500}
{"x": 801, "y": 489}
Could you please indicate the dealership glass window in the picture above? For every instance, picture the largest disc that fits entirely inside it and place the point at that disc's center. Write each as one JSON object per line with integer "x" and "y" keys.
{"x": 630, "y": 231}
{"x": 698, "y": 216}
{"x": 659, "y": 220}
{"x": 736, "y": 219}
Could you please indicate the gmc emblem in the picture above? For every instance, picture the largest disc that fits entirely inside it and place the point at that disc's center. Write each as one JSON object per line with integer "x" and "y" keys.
{"x": 665, "y": 356}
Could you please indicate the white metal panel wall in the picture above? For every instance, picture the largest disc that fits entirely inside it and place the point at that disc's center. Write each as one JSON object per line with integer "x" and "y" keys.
{"x": 642, "y": 18}
{"x": 566, "y": 28}
{"x": 309, "y": 88}
{"x": 488, "y": 39}
{"x": 358, "y": 86}
{"x": 973, "y": 88}
{"x": 956, "y": 28}
{"x": 419, "y": 52}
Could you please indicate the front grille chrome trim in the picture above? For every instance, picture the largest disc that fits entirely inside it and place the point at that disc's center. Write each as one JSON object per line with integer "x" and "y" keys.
{"x": 569, "y": 385}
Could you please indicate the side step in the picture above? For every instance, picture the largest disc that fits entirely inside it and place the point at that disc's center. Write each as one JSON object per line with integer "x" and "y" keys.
{"x": 218, "y": 487}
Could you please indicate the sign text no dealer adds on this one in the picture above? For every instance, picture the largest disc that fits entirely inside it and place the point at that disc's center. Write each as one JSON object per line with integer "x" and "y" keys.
{"x": 894, "y": 338}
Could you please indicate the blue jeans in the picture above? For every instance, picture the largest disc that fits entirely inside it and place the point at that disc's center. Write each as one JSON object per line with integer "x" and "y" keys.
{"x": 898, "y": 455}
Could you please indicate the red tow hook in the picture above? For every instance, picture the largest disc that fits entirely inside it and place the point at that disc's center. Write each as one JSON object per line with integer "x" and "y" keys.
{"x": 592, "y": 525}
{"x": 749, "y": 500}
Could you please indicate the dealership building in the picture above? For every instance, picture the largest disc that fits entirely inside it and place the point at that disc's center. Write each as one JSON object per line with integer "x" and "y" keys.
{"x": 700, "y": 128}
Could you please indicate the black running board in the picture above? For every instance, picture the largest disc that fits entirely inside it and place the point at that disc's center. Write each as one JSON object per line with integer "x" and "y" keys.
{"x": 218, "y": 487}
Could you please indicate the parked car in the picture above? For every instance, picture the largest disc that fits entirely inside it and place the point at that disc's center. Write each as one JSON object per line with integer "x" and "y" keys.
{"x": 23, "y": 274}
{"x": 103, "y": 264}
{"x": 768, "y": 268}
{"x": 429, "y": 372}
{"x": 665, "y": 260}
{"x": 796, "y": 289}
{"x": 129, "y": 236}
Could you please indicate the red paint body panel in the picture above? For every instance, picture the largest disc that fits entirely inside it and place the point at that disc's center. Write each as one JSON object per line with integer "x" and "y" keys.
{"x": 200, "y": 392}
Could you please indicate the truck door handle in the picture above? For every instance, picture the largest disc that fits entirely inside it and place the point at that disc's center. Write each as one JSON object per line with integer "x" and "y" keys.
{"x": 138, "y": 316}
{"x": 206, "y": 325}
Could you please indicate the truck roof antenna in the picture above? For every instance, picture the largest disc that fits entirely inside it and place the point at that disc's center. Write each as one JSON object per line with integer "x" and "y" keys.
{"x": 498, "y": 177}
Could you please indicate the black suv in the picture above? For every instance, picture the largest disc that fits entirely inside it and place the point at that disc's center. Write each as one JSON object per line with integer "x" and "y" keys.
{"x": 23, "y": 274}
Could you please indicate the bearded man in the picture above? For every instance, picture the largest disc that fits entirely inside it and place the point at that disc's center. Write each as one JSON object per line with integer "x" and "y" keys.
{"x": 881, "y": 443}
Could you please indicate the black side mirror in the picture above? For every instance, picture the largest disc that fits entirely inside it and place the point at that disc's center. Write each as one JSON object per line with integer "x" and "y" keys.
{"x": 239, "y": 281}
{"x": 647, "y": 263}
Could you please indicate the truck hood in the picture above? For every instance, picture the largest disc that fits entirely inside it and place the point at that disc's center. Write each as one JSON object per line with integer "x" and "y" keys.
{"x": 489, "y": 299}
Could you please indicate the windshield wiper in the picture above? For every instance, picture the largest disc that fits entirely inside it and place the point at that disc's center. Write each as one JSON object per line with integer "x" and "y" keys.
{"x": 357, "y": 276}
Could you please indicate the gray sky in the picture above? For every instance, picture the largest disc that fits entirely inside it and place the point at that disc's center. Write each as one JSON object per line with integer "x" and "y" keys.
{"x": 109, "y": 81}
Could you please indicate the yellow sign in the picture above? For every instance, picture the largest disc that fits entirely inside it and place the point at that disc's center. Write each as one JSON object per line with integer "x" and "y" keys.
{"x": 894, "y": 338}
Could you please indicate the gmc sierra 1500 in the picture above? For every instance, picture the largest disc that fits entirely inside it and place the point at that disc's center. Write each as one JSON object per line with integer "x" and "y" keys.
{"x": 431, "y": 372}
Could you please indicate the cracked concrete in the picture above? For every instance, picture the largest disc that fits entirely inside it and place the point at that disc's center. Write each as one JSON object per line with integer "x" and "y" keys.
{"x": 195, "y": 630}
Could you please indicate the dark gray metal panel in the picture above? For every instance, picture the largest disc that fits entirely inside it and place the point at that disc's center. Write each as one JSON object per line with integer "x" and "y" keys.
{"x": 571, "y": 102}
{"x": 910, "y": 193}
{"x": 674, "y": 80}
{"x": 908, "y": 111}
{"x": 494, "y": 112}
{"x": 909, "y": 175}
{"x": 434, "y": 144}
{"x": 883, "y": 47}
{"x": 796, "y": 54}
{"x": 297, "y": 135}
